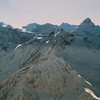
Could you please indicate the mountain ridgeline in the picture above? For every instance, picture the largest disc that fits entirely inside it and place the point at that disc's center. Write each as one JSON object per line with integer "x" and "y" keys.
{"x": 50, "y": 62}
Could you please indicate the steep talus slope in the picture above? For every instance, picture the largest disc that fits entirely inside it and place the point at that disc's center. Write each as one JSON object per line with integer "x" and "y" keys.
{"x": 30, "y": 50}
{"x": 48, "y": 79}
{"x": 14, "y": 61}
{"x": 85, "y": 61}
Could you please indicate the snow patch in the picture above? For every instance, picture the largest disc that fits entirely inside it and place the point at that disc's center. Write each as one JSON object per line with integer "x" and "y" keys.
{"x": 88, "y": 82}
{"x": 39, "y": 37}
{"x": 18, "y": 46}
{"x": 79, "y": 76}
{"x": 47, "y": 42}
{"x": 57, "y": 34}
{"x": 24, "y": 30}
{"x": 91, "y": 93}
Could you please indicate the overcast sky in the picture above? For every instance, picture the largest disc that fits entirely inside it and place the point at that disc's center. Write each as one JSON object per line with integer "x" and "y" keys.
{"x": 22, "y": 12}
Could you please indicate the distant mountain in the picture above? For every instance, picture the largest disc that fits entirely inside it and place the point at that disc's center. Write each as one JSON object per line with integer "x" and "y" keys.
{"x": 44, "y": 29}
{"x": 68, "y": 27}
{"x": 47, "y": 28}
{"x": 10, "y": 37}
{"x": 30, "y": 27}
{"x": 89, "y": 33}
{"x": 87, "y": 26}
{"x": 2, "y": 24}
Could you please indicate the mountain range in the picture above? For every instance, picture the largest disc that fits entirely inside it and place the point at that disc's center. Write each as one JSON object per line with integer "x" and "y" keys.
{"x": 47, "y": 28}
{"x": 50, "y": 62}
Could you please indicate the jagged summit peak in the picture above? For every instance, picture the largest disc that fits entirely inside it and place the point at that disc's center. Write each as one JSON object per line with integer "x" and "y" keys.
{"x": 87, "y": 21}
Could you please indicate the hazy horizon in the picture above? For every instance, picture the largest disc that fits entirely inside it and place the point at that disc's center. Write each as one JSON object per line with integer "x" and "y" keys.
{"x": 21, "y": 12}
